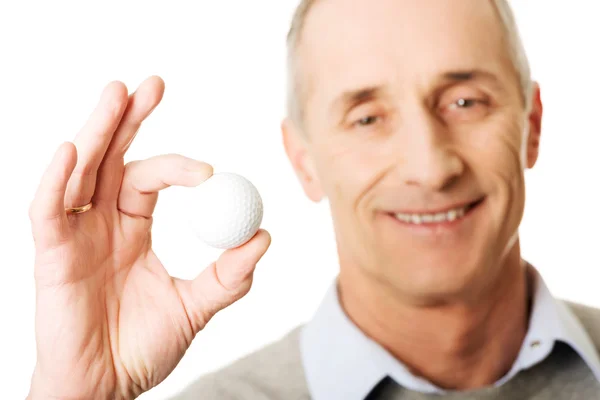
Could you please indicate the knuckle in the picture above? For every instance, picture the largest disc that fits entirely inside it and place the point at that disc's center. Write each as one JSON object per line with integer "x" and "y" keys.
{"x": 114, "y": 109}
{"x": 171, "y": 159}
{"x": 167, "y": 164}
{"x": 35, "y": 213}
{"x": 130, "y": 166}
{"x": 116, "y": 100}
{"x": 32, "y": 212}
{"x": 180, "y": 162}
{"x": 85, "y": 171}
{"x": 131, "y": 173}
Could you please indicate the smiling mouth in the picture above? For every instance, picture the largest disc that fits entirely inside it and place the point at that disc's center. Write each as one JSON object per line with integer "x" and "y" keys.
{"x": 449, "y": 215}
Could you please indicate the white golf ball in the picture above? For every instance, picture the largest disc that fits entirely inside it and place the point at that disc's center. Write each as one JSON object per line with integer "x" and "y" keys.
{"x": 227, "y": 212}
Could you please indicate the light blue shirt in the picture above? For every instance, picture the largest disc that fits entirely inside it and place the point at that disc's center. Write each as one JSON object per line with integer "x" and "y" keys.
{"x": 342, "y": 363}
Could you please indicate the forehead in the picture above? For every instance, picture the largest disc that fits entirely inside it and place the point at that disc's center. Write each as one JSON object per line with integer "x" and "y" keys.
{"x": 352, "y": 43}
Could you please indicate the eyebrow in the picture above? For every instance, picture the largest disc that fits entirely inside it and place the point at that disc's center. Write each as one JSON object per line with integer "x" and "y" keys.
{"x": 460, "y": 75}
{"x": 350, "y": 99}
{"x": 470, "y": 75}
{"x": 353, "y": 98}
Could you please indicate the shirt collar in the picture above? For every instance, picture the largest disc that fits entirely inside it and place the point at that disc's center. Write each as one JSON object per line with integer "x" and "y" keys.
{"x": 341, "y": 362}
{"x": 552, "y": 320}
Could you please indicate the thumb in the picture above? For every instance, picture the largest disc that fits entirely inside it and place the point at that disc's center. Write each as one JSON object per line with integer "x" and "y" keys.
{"x": 225, "y": 281}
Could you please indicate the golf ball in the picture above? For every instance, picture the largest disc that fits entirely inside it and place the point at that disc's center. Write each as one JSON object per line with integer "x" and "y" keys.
{"x": 227, "y": 212}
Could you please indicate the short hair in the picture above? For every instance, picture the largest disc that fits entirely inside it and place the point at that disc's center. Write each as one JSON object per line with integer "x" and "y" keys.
{"x": 295, "y": 89}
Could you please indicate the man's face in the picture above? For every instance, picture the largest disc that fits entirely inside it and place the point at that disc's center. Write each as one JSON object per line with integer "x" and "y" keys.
{"x": 417, "y": 135}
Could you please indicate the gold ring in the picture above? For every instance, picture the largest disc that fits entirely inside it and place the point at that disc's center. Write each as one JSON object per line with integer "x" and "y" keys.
{"x": 79, "y": 210}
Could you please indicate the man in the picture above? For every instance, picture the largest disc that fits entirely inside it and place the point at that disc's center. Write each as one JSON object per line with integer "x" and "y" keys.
{"x": 416, "y": 119}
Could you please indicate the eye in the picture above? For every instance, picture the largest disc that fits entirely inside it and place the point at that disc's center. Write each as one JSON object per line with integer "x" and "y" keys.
{"x": 465, "y": 109}
{"x": 366, "y": 121}
{"x": 464, "y": 103}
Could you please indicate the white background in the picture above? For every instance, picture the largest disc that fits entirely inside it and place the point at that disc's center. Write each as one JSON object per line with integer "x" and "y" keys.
{"x": 223, "y": 63}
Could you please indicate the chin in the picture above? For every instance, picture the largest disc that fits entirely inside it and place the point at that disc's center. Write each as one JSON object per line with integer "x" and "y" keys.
{"x": 439, "y": 277}
{"x": 443, "y": 262}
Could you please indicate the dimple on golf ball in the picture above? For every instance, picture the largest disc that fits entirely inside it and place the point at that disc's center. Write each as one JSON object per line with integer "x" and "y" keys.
{"x": 227, "y": 210}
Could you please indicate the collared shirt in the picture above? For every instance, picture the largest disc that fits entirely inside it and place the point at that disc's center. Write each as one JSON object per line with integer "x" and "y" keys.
{"x": 342, "y": 363}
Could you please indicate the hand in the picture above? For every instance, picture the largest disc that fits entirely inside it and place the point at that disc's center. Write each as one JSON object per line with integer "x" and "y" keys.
{"x": 110, "y": 321}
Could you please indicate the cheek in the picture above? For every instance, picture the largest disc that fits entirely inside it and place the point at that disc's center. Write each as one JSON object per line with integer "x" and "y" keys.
{"x": 494, "y": 155}
{"x": 348, "y": 170}
{"x": 495, "y": 151}
{"x": 349, "y": 173}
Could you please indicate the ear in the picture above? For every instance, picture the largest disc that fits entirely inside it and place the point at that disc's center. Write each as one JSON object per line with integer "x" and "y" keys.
{"x": 535, "y": 126}
{"x": 296, "y": 147}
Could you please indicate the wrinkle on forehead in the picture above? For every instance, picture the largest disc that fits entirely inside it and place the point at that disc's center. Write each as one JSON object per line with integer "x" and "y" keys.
{"x": 340, "y": 35}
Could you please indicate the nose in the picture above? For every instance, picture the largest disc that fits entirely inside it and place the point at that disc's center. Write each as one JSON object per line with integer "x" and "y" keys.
{"x": 429, "y": 157}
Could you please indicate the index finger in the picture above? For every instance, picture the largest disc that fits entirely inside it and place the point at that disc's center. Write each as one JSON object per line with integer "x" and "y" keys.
{"x": 141, "y": 104}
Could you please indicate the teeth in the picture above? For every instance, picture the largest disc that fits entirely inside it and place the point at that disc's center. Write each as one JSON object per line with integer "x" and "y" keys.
{"x": 428, "y": 218}
{"x": 403, "y": 217}
{"x": 452, "y": 215}
{"x": 419, "y": 219}
{"x": 416, "y": 219}
{"x": 439, "y": 217}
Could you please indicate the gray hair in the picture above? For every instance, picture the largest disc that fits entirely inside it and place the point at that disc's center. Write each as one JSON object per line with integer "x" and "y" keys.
{"x": 502, "y": 7}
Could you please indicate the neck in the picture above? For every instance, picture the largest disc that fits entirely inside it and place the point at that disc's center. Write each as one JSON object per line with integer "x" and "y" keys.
{"x": 456, "y": 346}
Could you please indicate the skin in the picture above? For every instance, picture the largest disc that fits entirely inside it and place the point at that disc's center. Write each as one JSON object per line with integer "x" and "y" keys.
{"x": 412, "y": 145}
{"x": 110, "y": 321}
{"x": 405, "y": 116}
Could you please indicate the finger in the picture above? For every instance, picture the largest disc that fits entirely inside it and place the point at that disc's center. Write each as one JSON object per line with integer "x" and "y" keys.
{"x": 224, "y": 281}
{"x": 141, "y": 104}
{"x": 47, "y": 211}
{"x": 143, "y": 179}
{"x": 92, "y": 141}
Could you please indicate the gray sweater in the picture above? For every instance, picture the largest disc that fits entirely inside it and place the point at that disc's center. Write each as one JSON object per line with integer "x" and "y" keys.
{"x": 276, "y": 372}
